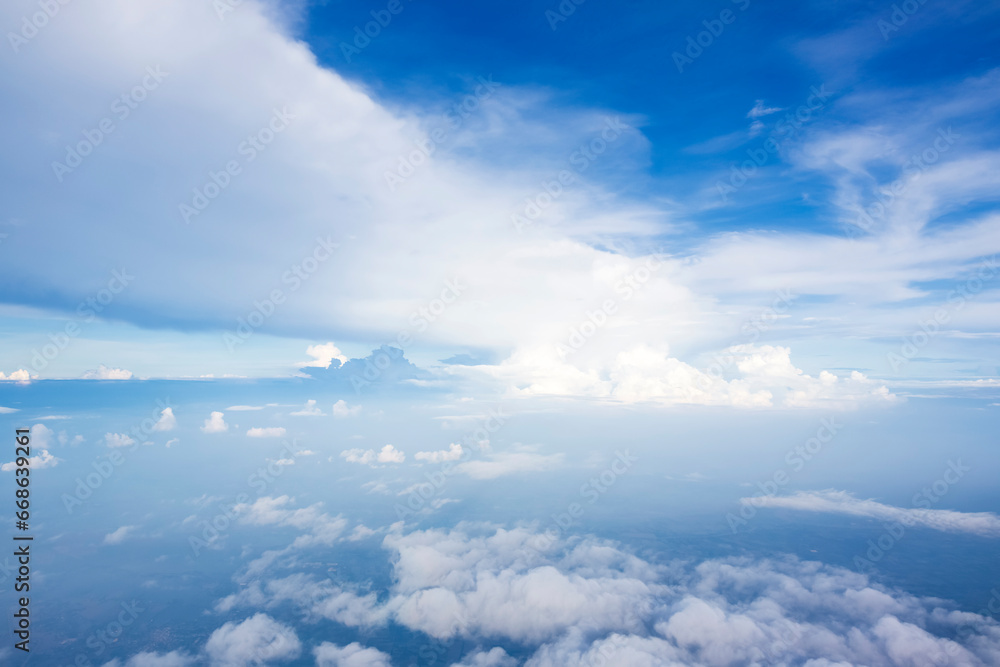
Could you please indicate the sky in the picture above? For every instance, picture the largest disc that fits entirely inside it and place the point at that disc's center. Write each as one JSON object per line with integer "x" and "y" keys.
{"x": 539, "y": 333}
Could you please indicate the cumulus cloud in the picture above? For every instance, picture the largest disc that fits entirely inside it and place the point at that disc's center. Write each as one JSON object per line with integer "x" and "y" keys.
{"x": 119, "y": 535}
{"x": 257, "y": 639}
{"x": 323, "y": 355}
{"x": 308, "y": 410}
{"x": 215, "y": 424}
{"x": 341, "y": 409}
{"x": 105, "y": 373}
{"x": 118, "y": 440}
{"x": 270, "y": 432}
{"x": 43, "y": 460}
{"x": 352, "y": 655}
{"x": 589, "y": 602}
{"x": 842, "y": 502}
{"x": 167, "y": 421}
{"x": 453, "y": 453}
{"x": 41, "y": 435}
{"x": 388, "y": 454}
{"x": 20, "y": 375}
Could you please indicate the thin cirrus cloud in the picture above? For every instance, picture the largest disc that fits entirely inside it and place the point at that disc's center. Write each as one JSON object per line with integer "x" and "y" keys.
{"x": 986, "y": 524}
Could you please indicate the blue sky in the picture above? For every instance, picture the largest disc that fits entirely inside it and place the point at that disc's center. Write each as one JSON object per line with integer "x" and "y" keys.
{"x": 502, "y": 334}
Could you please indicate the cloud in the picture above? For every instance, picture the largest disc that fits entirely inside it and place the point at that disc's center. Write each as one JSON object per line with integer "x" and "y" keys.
{"x": 453, "y": 453}
{"x": 323, "y": 355}
{"x": 41, "y": 435}
{"x": 309, "y": 410}
{"x": 119, "y": 535}
{"x": 118, "y": 440}
{"x": 388, "y": 454}
{"x": 243, "y": 408}
{"x": 258, "y": 638}
{"x": 495, "y": 657}
{"x": 585, "y": 601}
{"x": 759, "y": 110}
{"x": 842, "y": 502}
{"x": 105, "y": 373}
{"x": 171, "y": 442}
{"x": 507, "y": 463}
{"x": 342, "y": 410}
{"x": 352, "y": 655}
{"x": 150, "y": 659}
{"x": 43, "y": 460}
{"x": 167, "y": 420}
{"x": 215, "y": 424}
{"x": 20, "y": 375}
{"x": 270, "y": 432}
{"x": 7, "y": 411}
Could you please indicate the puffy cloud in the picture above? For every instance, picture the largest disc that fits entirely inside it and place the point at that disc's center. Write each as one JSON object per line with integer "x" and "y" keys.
{"x": 495, "y": 657}
{"x": 341, "y": 409}
{"x": 118, "y": 440}
{"x": 308, "y": 410}
{"x": 215, "y": 424}
{"x": 37, "y": 462}
{"x": 323, "y": 355}
{"x": 20, "y": 375}
{"x": 119, "y": 535}
{"x": 352, "y": 655}
{"x": 588, "y": 602}
{"x": 257, "y": 639}
{"x": 842, "y": 502}
{"x": 105, "y": 373}
{"x": 388, "y": 454}
{"x": 167, "y": 421}
{"x": 271, "y": 432}
{"x": 453, "y": 453}
{"x": 41, "y": 435}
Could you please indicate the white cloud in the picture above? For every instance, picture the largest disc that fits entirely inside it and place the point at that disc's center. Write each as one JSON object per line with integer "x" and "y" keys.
{"x": 352, "y": 655}
{"x": 119, "y": 535}
{"x": 258, "y": 638}
{"x": 171, "y": 442}
{"x": 323, "y": 355}
{"x": 588, "y": 602}
{"x": 495, "y": 657}
{"x": 41, "y": 435}
{"x": 150, "y": 659}
{"x": 7, "y": 411}
{"x": 342, "y": 410}
{"x": 37, "y": 462}
{"x": 105, "y": 373}
{"x": 388, "y": 454}
{"x": 507, "y": 463}
{"x": 244, "y": 408}
{"x": 453, "y": 453}
{"x": 167, "y": 420}
{"x": 842, "y": 502}
{"x": 215, "y": 424}
{"x": 759, "y": 110}
{"x": 118, "y": 440}
{"x": 20, "y": 375}
{"x": 270, "y": 432}
{"x": 309, "y": 410}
